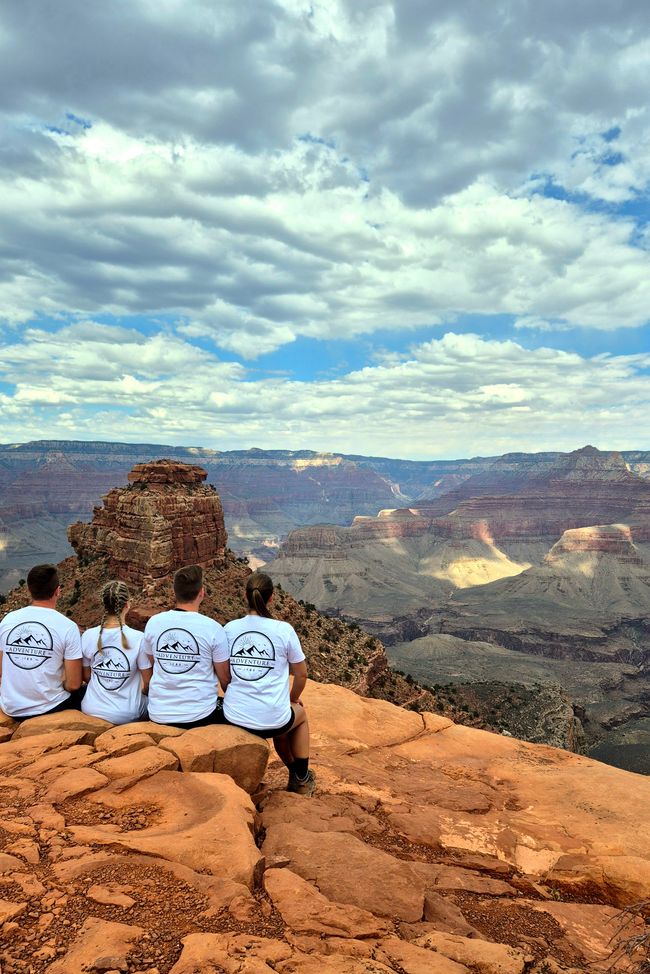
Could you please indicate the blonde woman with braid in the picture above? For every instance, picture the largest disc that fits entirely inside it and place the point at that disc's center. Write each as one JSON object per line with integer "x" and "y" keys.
{"x": 264, "y": 652}
{"x": 115, "y": 665}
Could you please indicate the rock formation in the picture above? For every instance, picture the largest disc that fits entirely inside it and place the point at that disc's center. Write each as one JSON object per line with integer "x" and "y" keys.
{"x": 165, "y": 517}
{"x": 168, "y": 517}
{"x": 428, "y": 847}
{"x": 547, "y": 557}
{"x": 265, "y": 493}
{"x": 402, "y": 560}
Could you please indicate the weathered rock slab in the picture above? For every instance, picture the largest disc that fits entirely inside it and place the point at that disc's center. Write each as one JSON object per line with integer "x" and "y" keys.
{"x": 64, "y": 720}
{"x": 306, "y": 910}
{"x": 203, "y": 821}
{"x": 138, "y": 764}
{"x": 347, "y": 870}
{"x": 227, "y": 750}
{"x": 157, "y": 732}
{"x": 96, "y": 941}
{"x": 76, "y": 781}
{"x": 480, "y": 955}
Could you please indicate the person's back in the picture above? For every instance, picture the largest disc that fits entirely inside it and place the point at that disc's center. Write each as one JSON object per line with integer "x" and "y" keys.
{"x": 186, "y": 647}
{"x": 116, "y": 667}
{"x": 261, "y": 651}
{"x": 41, "y": 652}
{"x": 264, "y": 652}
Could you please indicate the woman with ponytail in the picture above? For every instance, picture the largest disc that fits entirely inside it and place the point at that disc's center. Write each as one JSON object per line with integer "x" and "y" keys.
{"x": 115, "y": 666}
{"x": 263, "y": 653}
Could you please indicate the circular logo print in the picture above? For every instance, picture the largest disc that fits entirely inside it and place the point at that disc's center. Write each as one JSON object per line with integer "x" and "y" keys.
{"x": 252, "y": 656}
{"x": 111, "y": 667}
{"x": 177, "y": 651}
{"x": 29, "y": 645}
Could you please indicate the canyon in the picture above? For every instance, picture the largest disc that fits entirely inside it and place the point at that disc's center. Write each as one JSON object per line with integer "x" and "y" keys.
{"x": 45, "y": 485}
{"x": 541, "y": 569}
{"x": 429, "y": 846}
{"x": 428, "y": 574}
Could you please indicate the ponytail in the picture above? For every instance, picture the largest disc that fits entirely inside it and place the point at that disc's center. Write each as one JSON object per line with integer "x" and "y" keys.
{"x": 259, "y": 589}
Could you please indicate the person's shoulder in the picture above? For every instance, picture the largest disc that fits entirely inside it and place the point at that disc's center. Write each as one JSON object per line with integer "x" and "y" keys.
{"x": 211, "y": 624}
{"x": 234, "y": 624}
{"x": 157, "y": 619}
{"x": 13, "y": 618}
{"x": 133, "y": 636}
{"x": 282, "y": 626}
{"x": 91, "y": 633}
{"x": 61, "y": 622}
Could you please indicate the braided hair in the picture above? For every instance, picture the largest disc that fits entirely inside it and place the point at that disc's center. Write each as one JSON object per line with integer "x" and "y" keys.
{"x": 114, "y": 596}
{"x": 259, "y": 589}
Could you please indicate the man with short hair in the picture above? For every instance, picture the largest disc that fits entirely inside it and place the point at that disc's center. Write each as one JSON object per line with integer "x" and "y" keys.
{"x": 188, "y": 651}
{"x": 41, "y": 652}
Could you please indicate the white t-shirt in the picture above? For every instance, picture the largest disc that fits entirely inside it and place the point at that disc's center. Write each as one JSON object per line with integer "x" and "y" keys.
{"x": 115, "y": 688}
{"x": 34, "y": 642}
{"x": 260, "y": 652}
{"x": 184, "y": 646}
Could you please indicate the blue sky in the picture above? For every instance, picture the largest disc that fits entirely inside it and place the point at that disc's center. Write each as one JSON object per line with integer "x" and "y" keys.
{"x": 412, "y": 229}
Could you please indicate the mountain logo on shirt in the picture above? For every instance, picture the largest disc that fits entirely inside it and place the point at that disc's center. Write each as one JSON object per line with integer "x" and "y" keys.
{"x": 29, "y": 644}
{"x": 177, "y": 651}
{"x": 252, "y": 656}
{"x": 111, "y": 667}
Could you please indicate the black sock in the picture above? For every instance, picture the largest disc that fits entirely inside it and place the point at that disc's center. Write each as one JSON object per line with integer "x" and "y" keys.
{"x": 300, "y": 767}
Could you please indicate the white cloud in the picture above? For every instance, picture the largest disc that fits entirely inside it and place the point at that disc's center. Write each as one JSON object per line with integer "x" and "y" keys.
{"x": 270, "y": 170}
{"x": 458, "y": 394}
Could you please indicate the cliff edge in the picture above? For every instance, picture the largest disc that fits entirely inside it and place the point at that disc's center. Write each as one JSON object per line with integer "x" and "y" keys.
{"x": 429, "y": 847}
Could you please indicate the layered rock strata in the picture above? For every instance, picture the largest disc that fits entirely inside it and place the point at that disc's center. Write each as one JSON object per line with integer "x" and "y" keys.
{"x": 428, "y": 847}
{"x": 166, "y": 517}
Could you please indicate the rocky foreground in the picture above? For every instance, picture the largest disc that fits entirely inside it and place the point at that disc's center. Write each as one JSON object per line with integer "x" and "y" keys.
{"x": 429, "y": 847}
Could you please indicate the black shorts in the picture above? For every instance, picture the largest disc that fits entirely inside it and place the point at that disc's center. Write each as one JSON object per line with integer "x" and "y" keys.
{"x": 269, "y": 731}
{"x": 216, "y": 717}
{"x": 73, "y": 702}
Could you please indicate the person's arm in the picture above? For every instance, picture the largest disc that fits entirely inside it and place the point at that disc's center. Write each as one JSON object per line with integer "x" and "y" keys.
{"x": 146, "y": 678}
{"x": 86, "y": 670}
{"x": 72, "y": 674}
{"x": 146, "y": 648}
{"x": 72, "y": 660}
{"x": 223, "y": 673}
{"x": 221, "y": 656}
{"x": 299, "y": 673}
{"x": 144, "y": 664}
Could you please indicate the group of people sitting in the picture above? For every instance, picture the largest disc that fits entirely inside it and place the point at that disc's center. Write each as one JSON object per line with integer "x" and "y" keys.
{"x": 170, "y": 673}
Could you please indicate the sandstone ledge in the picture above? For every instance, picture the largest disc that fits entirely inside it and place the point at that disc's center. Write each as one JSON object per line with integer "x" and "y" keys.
{"x": 428, "y": 847}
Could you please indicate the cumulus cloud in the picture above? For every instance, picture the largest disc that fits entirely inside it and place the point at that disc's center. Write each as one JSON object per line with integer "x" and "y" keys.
{"x": 457, "y": 394}
{"x": 270, "y": 170}
{"x": 255, "y": 173}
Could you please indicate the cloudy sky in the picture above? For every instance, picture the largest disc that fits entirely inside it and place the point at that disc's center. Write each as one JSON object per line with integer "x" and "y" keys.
{"x": 411, "y": 228}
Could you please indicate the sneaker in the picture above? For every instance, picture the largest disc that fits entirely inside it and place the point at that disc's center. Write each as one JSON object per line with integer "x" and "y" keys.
{"x": 302, "y": 786}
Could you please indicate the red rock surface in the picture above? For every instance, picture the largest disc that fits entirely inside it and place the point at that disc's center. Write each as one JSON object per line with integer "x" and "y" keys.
{"x": 166, "y": 518}
{"x": 428, "y": 847}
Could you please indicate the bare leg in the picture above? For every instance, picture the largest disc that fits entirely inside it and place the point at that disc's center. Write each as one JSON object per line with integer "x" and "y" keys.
{"x": 295, "y": 743}
{"x": 299, "y": 736}
{"x": 283, "y": 749}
